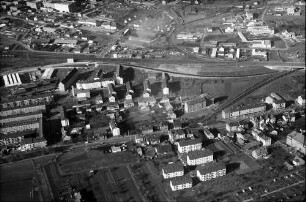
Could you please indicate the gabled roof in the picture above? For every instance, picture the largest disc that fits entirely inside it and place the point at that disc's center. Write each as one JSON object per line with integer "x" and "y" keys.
{"x": 181, "y": 180}
{"x": 210, "y": 167}
{"x": 190, "y": 142}
{"x": 199, "y": 154}
{"x": 299, "y": 137}
{"x": 174, "y": 167}
{"x": 232, "y": 124}
{"x": 70, "y": 75}
{"x": 161, "y": 149}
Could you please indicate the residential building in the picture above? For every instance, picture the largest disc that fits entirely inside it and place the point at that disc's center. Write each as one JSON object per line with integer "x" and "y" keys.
{"x": 177, "y": 135}
{"x": 83, "y": 95}
{"x": 128, "y": 103}
{"x": 210, "y": 170}
{"x": 65, "y": 7}
{"x": 208, "y": 134}
{"x": 146, "y": 101}
{"x": 186, "y": 146}
{"x": 163, "y": 149}
{"x": 301, "y": 100}
{"x": 243, "y": 110}
{"x": 297, "y": 141}
{"x": 258, "y": 53}
{"x": 261, "y": 44}
{"x": 276, "y": 100}
{"x": 179, "y": 183}
{"x": 297, "y": 161}
{"x": 249, "y": 15}
{"x": 259, "y": 136}
{"x": 260, "y": 153}
{"x": 199, "y": 157}
{"x": 66, "y": 83}
{"x": 173, "y": 170}
{"x": 260, "y": 30}
{"x": 233, "y": 127}
{"x": 195, "y": 104}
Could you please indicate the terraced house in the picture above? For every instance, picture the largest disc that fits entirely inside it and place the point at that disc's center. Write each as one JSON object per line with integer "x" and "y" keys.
{"x": 211, "y": 170}
{"x": 173, "y": 170}
{"x": 186, "y": 146}
{"x": 199, "y": 157}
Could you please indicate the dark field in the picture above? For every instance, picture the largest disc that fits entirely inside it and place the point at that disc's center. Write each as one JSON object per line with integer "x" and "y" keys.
{"x": 16, "y": 181}
{"x": 115, "y": 184}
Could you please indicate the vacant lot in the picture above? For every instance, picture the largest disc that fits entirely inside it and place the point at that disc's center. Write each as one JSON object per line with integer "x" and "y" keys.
{"x": 115, "y": 184}
{"x": 16, "y": 181}
{"x": 78, "y": 161}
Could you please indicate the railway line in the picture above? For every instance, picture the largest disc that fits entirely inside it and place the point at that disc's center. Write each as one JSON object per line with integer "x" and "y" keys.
{"x": 242, "y": 95}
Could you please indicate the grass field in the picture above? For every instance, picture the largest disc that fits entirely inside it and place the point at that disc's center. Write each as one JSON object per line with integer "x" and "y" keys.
{"x": 115, "y": 184}
{"x": 16, "y": 181}
{"x": 78, "y": 161}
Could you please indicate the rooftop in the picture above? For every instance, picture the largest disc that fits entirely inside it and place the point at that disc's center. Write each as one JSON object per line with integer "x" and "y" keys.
{"x": 181, "y": 180}
{"x": 174, "y": 167}
{"x": 199, "y": 154}
{"x": 244, "y": 107}
{"x": 299, "y": 137}
{"x": 210, "y": 167}
{"x": 190, "y": 142}
{"x": 70, "y": 75}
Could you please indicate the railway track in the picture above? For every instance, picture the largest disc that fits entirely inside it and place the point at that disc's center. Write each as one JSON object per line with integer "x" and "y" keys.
{"x": 242, "y": 95}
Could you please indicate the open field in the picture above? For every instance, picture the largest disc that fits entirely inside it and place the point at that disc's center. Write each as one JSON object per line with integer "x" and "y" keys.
{"x": 78, "y": 161}
{"x": 16, "y": 181}
{"x": 115, "y": 184}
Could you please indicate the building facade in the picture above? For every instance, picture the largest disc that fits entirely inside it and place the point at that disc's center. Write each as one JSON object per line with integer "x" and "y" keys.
{"x": 297, "y": 141}
{"x": 173, "y": 170}
{"x": 210, "y": 171}
{"x": 199, "y": 157}
{"x": 186, "y": 146}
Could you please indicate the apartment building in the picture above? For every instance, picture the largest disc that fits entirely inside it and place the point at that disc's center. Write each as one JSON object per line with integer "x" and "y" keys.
{"x": 297, "y": 141}
{"x": 180, "y": 183}
{"x": 173, "y": 170}
{"x": 210, "y": 170}
{"x": 199, "y": 157}
{"x": 186, "y": 146}
{"x": 243, "y": 110}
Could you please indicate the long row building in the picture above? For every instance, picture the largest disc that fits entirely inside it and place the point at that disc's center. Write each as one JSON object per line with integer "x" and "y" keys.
{"x": 243, "y": 110}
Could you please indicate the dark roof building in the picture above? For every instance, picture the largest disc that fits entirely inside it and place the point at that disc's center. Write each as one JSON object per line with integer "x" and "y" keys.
{"x": 68, "y": 80}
